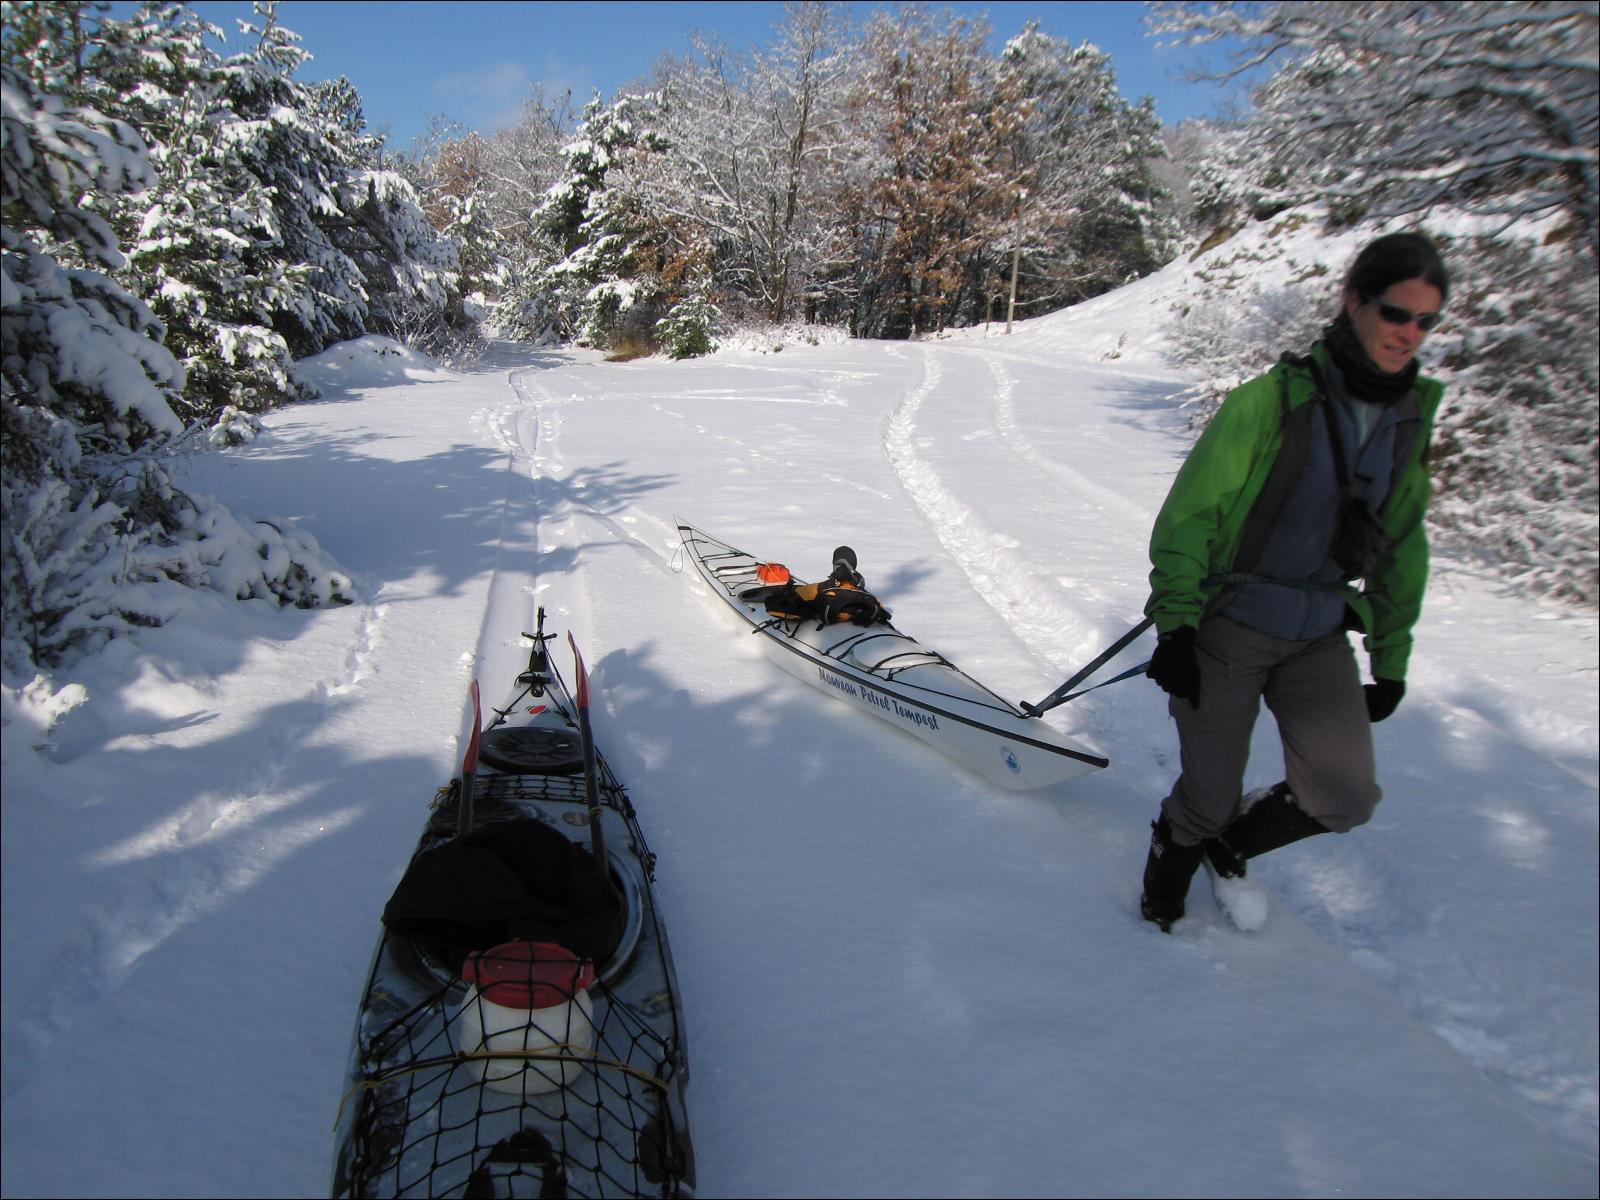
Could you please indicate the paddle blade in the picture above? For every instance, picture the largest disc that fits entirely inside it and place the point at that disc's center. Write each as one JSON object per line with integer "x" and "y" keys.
{"x": 470, "y": 763}
{"x": 582, "y": 674}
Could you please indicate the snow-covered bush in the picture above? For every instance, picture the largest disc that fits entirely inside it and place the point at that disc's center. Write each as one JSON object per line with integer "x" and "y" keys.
{"x": 689, "y": 328}
{"x": 1515, "y": 455}
{"x": 1232, "y": 339}
{"x": 528, "y": 312}
{"x": 764, "y": 338}
{"x": 1271, "y": 289}
{"x": 233, "y": 427}
{"x": 85, "y": 564}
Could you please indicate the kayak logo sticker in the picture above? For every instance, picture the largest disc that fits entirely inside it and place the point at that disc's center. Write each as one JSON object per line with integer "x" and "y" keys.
{"x": 1010, "y": 758}
{"x": 887, "y": 706}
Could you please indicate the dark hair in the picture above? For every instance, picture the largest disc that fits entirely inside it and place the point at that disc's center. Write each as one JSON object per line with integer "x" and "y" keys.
{"x": 1395, "y": 258}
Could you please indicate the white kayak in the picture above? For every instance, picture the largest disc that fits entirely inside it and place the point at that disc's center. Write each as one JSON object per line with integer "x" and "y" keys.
{"x": 891, "y": 675}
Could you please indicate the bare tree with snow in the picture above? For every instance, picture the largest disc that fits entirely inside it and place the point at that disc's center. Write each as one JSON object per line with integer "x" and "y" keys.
{"x": 1390, "y": 108}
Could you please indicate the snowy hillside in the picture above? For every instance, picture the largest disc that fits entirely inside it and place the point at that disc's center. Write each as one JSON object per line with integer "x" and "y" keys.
{"x": 897, "y": 980}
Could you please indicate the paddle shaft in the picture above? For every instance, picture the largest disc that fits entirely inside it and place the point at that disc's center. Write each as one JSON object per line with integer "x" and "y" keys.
{"x": 469, "y": 768}
{"x": 591, "y": 765}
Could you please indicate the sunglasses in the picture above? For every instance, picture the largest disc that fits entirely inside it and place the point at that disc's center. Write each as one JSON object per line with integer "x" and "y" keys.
{"x": 1396, "y": 315}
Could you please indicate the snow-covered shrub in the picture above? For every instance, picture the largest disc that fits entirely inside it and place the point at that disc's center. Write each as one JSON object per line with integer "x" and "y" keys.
{"x": 1269, "y": 290}
{"x": 1515, "y": 453}
{"x": 28, "y": 713}
{"x": 689, "y": 328}
{"x": 84, "y": 564}
{"x": 233, "y": 427}
{"x": 771, "y": 339}
{"x": 1236, "y": 336}
{"x": 620, "y": 314}
{"x": 430, "y": 330}
{"x": 529, "y": 312}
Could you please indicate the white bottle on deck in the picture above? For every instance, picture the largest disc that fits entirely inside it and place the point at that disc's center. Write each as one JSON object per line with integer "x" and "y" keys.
{"x": 530, "y": 1001}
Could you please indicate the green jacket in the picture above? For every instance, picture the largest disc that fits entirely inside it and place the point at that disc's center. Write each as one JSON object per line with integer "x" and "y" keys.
{"x": 1201, "y": 527}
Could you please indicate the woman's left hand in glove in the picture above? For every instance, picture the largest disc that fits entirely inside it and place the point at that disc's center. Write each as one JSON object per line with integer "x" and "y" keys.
{"x": 1383, "y": 697}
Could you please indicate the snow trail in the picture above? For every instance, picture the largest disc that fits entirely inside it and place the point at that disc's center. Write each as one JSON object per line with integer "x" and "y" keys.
{"x": 1006, "y": 421}
{"x": 993, "y": 562}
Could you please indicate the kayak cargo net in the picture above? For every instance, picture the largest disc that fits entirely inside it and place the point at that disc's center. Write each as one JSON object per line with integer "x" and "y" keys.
{"x": 431, "y": 1125}
{"x": 578, "y": 1097}
{"x": 434, "y": 1122}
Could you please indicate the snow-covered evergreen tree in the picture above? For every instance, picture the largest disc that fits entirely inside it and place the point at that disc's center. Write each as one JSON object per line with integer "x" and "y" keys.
{"x": 607, "y": 286}
{"x": 93, "y": 531}
{"x": 361, "y": 255}
{"x": 409, "y": 271}
{"x": 689, "y": 328}
{"x": 286, "y": 140}
{"x": 76, "y": 343}
{"x": 202, "y": 241}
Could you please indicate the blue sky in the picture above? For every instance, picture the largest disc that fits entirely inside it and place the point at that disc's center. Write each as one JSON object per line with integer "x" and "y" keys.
{"x": 475, "y": 62}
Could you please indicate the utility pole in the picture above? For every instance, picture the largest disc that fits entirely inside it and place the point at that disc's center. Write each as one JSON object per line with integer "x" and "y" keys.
{"x": 1016, "y": 259}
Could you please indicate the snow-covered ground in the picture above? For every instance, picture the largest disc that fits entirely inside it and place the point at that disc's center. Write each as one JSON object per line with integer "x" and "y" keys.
{"x": 897, "y": 980}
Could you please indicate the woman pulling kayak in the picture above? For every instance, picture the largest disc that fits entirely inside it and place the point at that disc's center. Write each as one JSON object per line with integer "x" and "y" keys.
{"x": 1309, "y": 478}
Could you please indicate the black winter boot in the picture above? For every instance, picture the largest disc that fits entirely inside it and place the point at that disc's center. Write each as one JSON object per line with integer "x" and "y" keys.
{"x": 1167, "y": 872}
{"x": 1274, "y": 820}
{"x": 1225, "y": 860}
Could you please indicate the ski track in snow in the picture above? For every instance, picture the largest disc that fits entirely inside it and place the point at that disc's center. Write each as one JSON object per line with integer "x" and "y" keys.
{"x": 656, "y": 540}
{"x": 208, "y": 867}
{"x": 1005, "y": 420}
{"x": 1001, "y": 575}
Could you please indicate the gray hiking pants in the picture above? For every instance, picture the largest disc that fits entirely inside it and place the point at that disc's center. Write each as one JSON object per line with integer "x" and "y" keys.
{"x": 1313, "y": 690}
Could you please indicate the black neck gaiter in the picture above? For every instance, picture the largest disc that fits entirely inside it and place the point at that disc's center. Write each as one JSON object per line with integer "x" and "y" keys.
{"x": 1362, "y": 377}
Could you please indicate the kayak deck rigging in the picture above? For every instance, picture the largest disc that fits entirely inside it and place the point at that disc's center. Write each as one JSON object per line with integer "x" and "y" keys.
{"x": 887, "y": 672}
{"x": 846, "y": 652}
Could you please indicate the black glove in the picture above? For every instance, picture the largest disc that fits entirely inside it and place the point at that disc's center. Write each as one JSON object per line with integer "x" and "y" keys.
{"x": 1175, "y": 667}
{"x": 1383, "y": 697}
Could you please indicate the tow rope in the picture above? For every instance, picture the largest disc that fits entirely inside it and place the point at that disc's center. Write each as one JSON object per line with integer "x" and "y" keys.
{"x": 1064, "y": 693}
